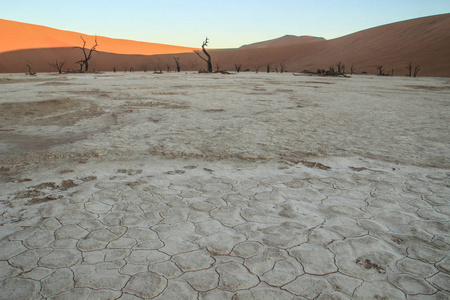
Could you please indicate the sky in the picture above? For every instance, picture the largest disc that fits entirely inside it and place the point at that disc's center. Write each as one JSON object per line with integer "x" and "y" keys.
{"x": 227, "y": 23}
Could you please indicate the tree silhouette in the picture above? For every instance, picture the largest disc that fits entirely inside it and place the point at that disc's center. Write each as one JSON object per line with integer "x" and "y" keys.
{"x": 58, "y": 66}
{"x": 87, "y": 54}
{"x": 331, "y": 70}
{"x": 208, "y": 57}
{"x": 237, "y": 67}
{"x": 177, "y": 61}
{"x": 352, "y": 69}
{"x": 340, "y": 68}
{"x": 29, "y": 71}
{"x": 416, "y": 70}
{"x": 409, "y": 67}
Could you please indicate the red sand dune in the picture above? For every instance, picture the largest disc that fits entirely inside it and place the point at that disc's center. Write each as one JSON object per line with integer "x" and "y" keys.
{"x": 423, "y": 41}
{"x": 20, "y": 36}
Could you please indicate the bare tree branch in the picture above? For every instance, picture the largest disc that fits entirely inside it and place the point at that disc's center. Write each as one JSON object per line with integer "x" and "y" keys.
{"x": 29, "y": 71}
{"x": 177, "y": 61}
{"x": 87, "y": 55}
{"x": 208, "y": 59}
{"x": 199, "y": 55}
{"x": 416, "y": 70}
{"x": 237, "y": 67}
{"x": 409, "y": 68}
{"x": 58, "y": 66}
{"x": 380, "y": 70}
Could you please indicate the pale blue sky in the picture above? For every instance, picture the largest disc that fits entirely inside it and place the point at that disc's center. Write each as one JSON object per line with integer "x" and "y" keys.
{"x": 227, "y": 23}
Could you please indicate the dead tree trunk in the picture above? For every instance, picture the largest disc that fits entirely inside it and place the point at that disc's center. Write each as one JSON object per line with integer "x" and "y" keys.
{"x": 340, "y": 67}
{"x": 282, "y": 67}
{"x": 416, "y": 70}
{"x": 81, "y": 65}
{"x": 268, "y": 68}
{"x": 87, "y": 54}
{"x": 177, "y": 61}
{"x": 331, "y": 70}
{"x": 409, "y": 68}
{"x": 208, "y": 57}
{"x": 34, "y": 73}
{"x": 237, "y": 67}
{"x": 58, "y": 66}
{"x": 380, "y": 70}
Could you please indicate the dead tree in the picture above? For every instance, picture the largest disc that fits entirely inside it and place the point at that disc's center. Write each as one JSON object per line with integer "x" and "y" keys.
{"x": 217, "y": 67}
{"x": 380, "y": 70}
{"x": 58, "y": 66}
{"x": 81, "y": 65}
{"x": 237, "y": 67}
{"x": 87, "y": 54}
{"x": 282, "y": 67}
{"x": 331, "y": 70}
{"x": 177, "y": 61}
{"x": 352, "y": 69}
{"x": 257, "y": 68}
{"x": 29, "y": 71}
{"x": 340, "y": 67}
{"x": 416, "y": 70}
{"x": 409, "y": 68}
{"x": 158, "y": 70}
{"x": 268, "y": 68}
{"x": 208, "y": 57}
{"x": 114, "y": 69}
{"x": 168, "y": 68}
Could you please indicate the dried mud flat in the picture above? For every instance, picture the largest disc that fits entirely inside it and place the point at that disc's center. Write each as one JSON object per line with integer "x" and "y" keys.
{"x": 245, "y": 186}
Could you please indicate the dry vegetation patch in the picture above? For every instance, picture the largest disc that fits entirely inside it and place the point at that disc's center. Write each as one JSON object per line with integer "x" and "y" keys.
{"x": 62, "y": 111}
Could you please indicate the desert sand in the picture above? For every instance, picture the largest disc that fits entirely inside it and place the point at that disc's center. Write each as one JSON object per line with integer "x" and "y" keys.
{"x": 21, "y": 36}
{"x": 423, "y": 41}
{"x": 211, "y": 186}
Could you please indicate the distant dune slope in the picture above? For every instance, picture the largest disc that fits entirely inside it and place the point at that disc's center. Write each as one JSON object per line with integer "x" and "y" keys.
{"x": 284, "y": 41}
{"x": 424, "y": 41}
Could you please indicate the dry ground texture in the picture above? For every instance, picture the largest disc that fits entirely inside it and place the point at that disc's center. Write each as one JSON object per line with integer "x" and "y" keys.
{"x": 211, "y": 186}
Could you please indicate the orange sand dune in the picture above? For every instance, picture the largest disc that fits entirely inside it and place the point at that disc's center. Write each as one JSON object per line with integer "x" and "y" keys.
{"x": 18, "y": 36}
